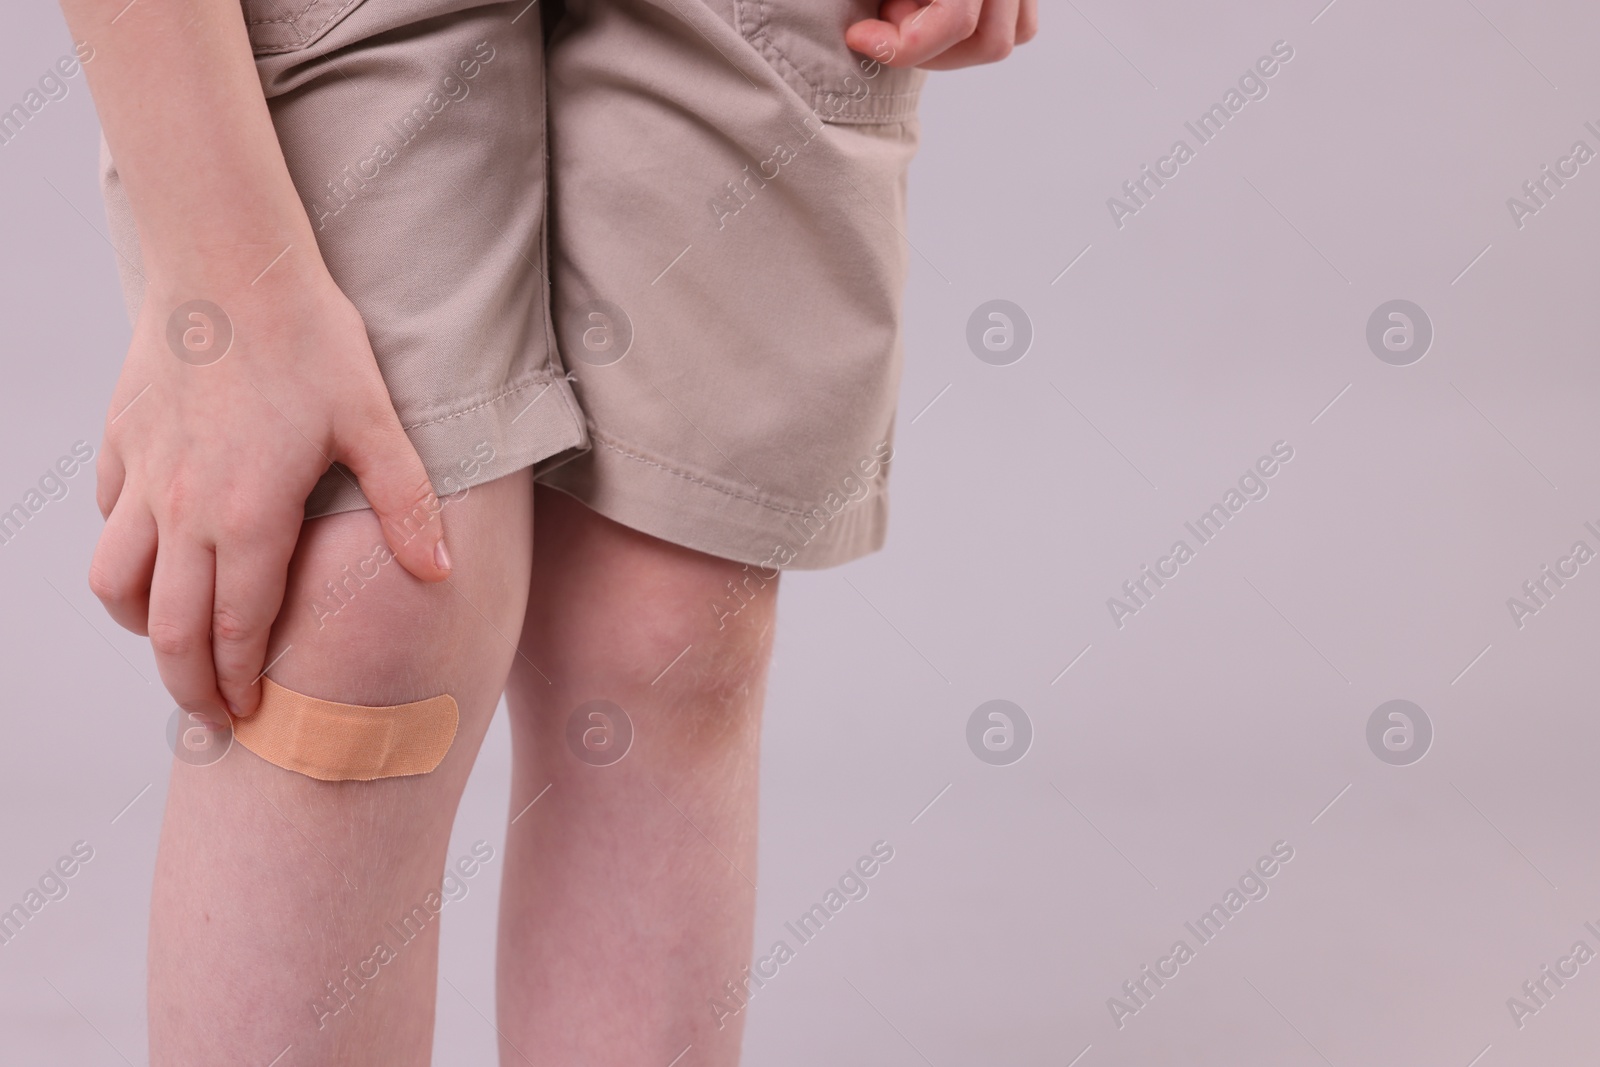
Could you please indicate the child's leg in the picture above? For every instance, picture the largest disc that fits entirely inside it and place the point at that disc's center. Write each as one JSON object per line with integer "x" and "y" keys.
{"x": 295, "y": 912}
{"x": 629, "y": 888}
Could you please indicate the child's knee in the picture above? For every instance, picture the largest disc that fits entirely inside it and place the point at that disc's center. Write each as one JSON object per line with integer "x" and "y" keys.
{"x": 357, "y": 627}
{"x": 354, "y": 621}
{"x": 700, "y": 681}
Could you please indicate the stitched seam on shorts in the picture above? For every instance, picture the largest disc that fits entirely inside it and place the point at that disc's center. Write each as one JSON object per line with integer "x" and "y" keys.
{"x": 296, "y": 17}
{"x": 554, "y": 365}
{"x": 883, "y": 107}
{"x": 888, "y": 106}
{"x": 768, "y": 47}
{"x": 686, "y": 476}
{"x": 508, "y": 391}
{"x": 552, "y": 351}
{"x": 307, "y": 38}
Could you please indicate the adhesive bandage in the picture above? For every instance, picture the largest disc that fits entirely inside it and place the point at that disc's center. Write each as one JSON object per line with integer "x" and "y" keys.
{"x": 347, "y": 742}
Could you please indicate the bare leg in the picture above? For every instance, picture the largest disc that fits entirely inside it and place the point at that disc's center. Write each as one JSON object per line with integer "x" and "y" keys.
{"x": 273, "y": 891}
{"x": 628, "y": 891}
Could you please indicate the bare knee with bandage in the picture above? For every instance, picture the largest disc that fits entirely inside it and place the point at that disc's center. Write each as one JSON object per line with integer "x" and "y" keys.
{"x": 368, "y": 665}
{"x": 333, "y": 809}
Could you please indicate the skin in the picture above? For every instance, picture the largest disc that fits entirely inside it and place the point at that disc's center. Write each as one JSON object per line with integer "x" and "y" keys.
{"x": 628, "y": 890}
{"x": 204, "y": 469}
{"x": 945, "y": 34}
{"x": 269, "y": 884}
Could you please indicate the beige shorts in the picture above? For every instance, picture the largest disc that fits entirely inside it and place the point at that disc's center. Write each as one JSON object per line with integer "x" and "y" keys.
{"x": 651, "y": 248}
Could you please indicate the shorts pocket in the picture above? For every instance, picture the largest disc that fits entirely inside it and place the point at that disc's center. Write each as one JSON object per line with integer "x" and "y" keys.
{"x": 804, "y": 41}
{"x": 278, "y": 26}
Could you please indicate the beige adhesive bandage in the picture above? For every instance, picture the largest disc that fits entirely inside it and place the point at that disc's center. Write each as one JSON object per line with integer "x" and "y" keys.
{"x": 347, "y": 742}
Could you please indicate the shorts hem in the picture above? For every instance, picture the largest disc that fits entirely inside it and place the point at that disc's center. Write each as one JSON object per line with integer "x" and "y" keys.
{"x": 676, "y": 503}
{"x": 486, "y": 440}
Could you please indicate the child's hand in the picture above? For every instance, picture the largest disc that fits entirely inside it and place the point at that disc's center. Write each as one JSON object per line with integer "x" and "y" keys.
{"x": 944, "y": 34}
{"x": 204, "y": 480}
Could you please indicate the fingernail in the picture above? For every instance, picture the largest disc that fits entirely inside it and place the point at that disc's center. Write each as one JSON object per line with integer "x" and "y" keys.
{"x": 233, "y": 709}
{"x": 440, "y": 556}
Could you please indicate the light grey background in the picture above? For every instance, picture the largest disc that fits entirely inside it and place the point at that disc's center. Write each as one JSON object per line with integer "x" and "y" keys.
{"x": 1226, "y": 716}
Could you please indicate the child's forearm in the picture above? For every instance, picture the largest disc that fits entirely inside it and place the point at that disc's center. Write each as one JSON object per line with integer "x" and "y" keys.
{"x": 179, "y": 100}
